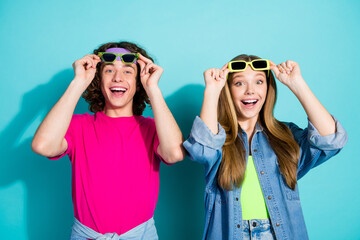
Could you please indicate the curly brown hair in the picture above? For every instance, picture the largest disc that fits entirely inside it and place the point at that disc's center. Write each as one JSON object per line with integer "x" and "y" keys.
{"x": 93, "y": 94}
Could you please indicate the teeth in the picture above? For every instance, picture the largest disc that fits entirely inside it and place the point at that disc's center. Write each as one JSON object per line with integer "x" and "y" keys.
{"x": 250, "y": 101}
{"x": 118, "y": 89}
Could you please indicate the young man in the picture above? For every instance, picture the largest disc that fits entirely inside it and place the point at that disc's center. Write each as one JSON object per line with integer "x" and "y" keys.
{"x": 115, "y": 153}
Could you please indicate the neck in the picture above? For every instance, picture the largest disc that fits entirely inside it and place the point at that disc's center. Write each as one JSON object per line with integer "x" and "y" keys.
{"x": 248, "y": 126}
{"x": 118, "y": 112}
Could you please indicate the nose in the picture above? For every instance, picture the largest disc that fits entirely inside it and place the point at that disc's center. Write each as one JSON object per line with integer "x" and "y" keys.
{"x": 118, "y": 77}
{"x": 250, "y": 89}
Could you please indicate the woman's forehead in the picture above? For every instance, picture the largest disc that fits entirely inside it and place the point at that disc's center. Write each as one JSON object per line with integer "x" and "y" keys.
{"x": 248, "y": 74}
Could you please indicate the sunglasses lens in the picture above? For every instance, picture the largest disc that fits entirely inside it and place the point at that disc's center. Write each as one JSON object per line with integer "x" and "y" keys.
{"x": 261, "y": 64}
{"x": 238, "y": 65}
{"x": 109, "y": 57}
{"x": 128, "y": 58}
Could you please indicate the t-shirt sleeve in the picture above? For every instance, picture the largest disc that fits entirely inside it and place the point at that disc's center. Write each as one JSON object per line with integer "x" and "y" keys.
{"x": 69, "y": 137}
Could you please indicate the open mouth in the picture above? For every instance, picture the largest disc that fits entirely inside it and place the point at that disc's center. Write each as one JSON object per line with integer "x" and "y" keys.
{"x": 118, "y": 91}
{"x": 249, "y": 103}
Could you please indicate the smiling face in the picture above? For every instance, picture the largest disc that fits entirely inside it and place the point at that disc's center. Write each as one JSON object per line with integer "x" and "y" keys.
{"x": 118, "y": 85}
{"x": 248, "y": 90}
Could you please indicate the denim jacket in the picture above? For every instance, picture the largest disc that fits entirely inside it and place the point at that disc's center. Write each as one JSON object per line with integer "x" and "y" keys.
{"x": 223, "y": 216}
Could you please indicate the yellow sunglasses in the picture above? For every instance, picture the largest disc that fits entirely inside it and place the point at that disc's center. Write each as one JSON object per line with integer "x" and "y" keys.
{"x": 256, "y": 65}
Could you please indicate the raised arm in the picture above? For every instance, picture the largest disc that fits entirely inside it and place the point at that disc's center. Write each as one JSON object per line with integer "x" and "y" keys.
{"x": 170, "y": 137}
{"x": 214, "y": 81}
{"x": 289, "y": 74}
{"x": 207, "y": 137}
{"x": 49, "y": 138}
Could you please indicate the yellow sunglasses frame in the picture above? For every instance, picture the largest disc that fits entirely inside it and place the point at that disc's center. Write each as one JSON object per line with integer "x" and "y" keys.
{"x": 251, "y": 65}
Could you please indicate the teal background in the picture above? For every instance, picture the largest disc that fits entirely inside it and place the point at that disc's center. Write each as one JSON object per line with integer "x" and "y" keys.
{"x": 41, "y": 39}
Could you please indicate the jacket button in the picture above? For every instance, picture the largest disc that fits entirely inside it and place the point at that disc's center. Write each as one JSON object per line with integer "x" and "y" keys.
{"x": 269, "y": 197}
{"x": 237, "y": 199}
{"x": 255, "y": 150}
{"x": 277, "y": 224}
{"x": 262, "y": 172}
{"x": 238, "y": 226}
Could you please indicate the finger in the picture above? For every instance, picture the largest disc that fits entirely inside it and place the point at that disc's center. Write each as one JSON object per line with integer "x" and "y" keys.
{"x": 288, "y": 64}
{"x": 226, "y": 73}
{"x": 283, "y": 65}
{"x": 217, "y": 74}
{"x": 272, "y": 64}
{"x": 210, "y": 72}
{"x": 274, "y": 68}
{"x": 142, "y": 66}
{"x": 96, "y": 61}
{"x": 88, "y": 62}
{"x": 149, "y": 67}
{"x": 286, "y": 69}
{"x": 225, "y": 66}
{"x": 94, "y": 57}
{"x": 291, "y": 64}
{"x": 146, "y": 60}
{"x": 280, "y": 68}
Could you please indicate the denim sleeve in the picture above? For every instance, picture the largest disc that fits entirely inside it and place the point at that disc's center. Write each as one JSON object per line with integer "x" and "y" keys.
{"x": 203, "y": 146}
{"x": 314, "y": 148}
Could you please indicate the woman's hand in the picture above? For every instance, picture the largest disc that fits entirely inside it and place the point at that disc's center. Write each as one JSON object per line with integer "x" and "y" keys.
{"x": 216, "y": 78}
{"x": 150, "y": 73}
{"x": 288, "y": 73}
{"x": 85, "y": 68}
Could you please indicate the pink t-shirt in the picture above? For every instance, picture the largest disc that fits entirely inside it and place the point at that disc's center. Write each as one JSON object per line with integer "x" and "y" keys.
{"x": 115, "y": 170}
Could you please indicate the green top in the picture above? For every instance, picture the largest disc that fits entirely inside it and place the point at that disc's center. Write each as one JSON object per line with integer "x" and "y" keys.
{"x": 252, "y": 199}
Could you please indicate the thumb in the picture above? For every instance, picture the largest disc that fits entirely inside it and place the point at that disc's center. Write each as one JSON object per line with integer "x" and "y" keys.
{"x": 274, "y": 68}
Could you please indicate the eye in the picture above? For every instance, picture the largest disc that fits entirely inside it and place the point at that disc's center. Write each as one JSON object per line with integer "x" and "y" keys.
{"x": 239, "y": 83}
{"x": 259, "y": 82}
{"x": 128, "y": 71}
{"x": 108, "y": 70}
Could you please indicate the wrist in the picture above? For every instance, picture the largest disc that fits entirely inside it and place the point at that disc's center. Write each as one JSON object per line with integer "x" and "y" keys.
{"x": 212, "y": 91}
{"x": 152, "y": 91}
{"x": 79, "y": 83}
{"x": 298, "y": 87}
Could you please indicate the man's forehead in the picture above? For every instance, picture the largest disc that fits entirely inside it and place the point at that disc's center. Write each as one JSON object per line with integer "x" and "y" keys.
{"x": 119, "y": 64}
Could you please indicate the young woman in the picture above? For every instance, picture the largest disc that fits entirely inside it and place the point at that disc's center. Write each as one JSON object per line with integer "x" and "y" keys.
{"x": 253, "y": 161}
{"x": 115, "y": 153}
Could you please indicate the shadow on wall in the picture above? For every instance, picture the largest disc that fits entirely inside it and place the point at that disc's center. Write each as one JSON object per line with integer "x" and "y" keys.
{"x": 180, "y": 210}
{"x": 48, "y": 204}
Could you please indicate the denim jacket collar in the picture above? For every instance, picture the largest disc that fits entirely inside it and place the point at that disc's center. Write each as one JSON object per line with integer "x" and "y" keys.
{"x": 258, "y": 128}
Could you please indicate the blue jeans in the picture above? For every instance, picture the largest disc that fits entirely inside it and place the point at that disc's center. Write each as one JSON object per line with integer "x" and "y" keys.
{"x": 258, "y": 229}
{"x": 145, "y": 231}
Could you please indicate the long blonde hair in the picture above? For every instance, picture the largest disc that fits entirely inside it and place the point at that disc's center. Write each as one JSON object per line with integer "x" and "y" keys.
{"x": 232, "y": 167}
